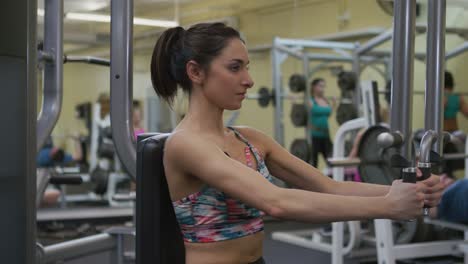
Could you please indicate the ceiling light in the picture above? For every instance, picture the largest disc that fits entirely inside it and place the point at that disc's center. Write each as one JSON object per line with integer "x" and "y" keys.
{"x": 88, "y": 17}
{"x": 106, "y": 19}
{"x": 154, "y": 22}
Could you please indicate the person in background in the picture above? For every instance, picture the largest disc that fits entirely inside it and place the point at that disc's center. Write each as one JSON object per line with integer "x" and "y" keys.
{"x": 50, "y": 155}
{"x": 320, "y": 110}
{"x": 453, "y": 103}
{"x": 137, "y": 118}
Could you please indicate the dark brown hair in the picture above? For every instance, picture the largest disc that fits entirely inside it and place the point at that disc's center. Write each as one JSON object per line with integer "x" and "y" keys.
{"x": 314, "y": 83}
{"x": 448, "y": 80}
{"x": 176, "y": 46}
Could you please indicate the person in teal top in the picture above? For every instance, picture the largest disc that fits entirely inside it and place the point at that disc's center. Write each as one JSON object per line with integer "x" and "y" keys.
{"x": 319, "y": 112}
{"x": 453, "y": 103}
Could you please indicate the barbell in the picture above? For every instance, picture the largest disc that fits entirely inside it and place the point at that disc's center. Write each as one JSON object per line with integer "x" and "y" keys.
{"x": 264, "y": 97}
{"x": 346, "y": 110}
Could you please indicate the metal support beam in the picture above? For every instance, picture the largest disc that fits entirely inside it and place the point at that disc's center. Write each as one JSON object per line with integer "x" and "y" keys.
{"x": 354, "y": 34}
{"x": 318, "y": 44}
{"x": 77, "y": 248}
{"x": 18, "y": 112}
{"x": 374, "y": 42}
{"x": 291, "y": 52}
{"x": 307, "y": 96}
{"x": 86, "y": 59}
{"x": 435, "y": 66}
{"x": 340, "y": 58}
{"x": 121, "y": 75}
{"x": 427, "y": 249}
{"x": 357, "y": 70}
{"x": 457, "y": 51}
{"x": 462, "y": 32}
{"x": 53, "y": 71}
{"x": 403, "y": 66}
{"x": 384, "y": 53}
{"x": 328, "y": 57}
{"x": 277, "y": 85}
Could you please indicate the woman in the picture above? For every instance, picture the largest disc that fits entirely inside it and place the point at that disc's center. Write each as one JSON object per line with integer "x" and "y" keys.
{"x": 320, "y": 110}
{"x": 453, "y": 103}
{"x": 137, "y": 117}
{"x": 219, "y": 178}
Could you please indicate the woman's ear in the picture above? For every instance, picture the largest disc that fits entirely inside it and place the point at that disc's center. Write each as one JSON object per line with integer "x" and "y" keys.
{"x": 195, "y": 72}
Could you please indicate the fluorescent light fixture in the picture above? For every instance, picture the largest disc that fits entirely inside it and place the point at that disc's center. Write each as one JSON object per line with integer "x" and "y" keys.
{"x": 106, "y": 19}
{"x": 88, "y": 17}
{"x": 154, "y": 22}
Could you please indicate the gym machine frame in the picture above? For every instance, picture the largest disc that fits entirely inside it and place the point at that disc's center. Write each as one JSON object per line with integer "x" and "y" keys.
{"x": 402, "y": 87}
{"x": 112, "y": 241}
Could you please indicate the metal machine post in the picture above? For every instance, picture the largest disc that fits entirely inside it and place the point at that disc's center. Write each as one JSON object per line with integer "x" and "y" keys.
{"x": 435, "y": 66}
{"x": 403, "y": 65}
{"x": 53, "y": 70}
{"x": 277, "y": 85}
{"x": 307, "y": 96}
{"x": 402, "y": 106}
{"x": 18, "y": 110}
{"x": 121, "y": 75}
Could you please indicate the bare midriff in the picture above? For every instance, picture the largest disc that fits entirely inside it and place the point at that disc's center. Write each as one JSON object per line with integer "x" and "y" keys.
{"x": 241, "y": 250}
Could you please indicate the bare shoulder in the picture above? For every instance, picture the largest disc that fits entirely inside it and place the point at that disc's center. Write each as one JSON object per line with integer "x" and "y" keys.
{"x": 183, "y": 140}
{"x": 187, "y": 147}
{"x": 259, "y": 139}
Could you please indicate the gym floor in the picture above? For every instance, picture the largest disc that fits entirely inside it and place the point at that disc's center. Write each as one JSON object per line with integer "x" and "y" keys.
{"x": 277, "y": 252}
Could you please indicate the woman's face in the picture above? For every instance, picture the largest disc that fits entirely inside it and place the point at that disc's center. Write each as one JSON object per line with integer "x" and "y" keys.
{"x": 319, "y": 88}
{"x": 227, "y": 79}
{"x": 137, "y": 116}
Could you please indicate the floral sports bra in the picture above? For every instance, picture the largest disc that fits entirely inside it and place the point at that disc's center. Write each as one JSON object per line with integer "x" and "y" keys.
{"x": 211, "y": 215}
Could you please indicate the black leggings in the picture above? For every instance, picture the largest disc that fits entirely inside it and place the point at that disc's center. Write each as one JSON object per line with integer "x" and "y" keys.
{"x": 320, "y": 145}
{"x": 259, "y": 261}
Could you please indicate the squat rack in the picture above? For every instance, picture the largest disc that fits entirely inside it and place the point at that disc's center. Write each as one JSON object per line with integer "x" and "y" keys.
{"x": 282, "y": 48}
{"x": 347, "y": 52}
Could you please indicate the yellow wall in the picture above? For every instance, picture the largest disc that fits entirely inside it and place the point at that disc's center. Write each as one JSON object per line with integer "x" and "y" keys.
{"x": 83, "y": 83}
{"x": 289, "y": 19}
{"x": 303, "y": 21}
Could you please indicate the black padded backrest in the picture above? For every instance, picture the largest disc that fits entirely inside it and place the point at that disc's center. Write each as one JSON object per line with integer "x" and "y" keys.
{"x": 158, "y": 236}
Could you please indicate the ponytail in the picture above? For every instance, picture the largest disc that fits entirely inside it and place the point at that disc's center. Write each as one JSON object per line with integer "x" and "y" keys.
{"x": 163, "y": 69}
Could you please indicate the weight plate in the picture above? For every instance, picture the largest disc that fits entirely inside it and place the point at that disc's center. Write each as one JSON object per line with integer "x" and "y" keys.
{"x": 375, "y": 161}
{"x": 100, "y": 178}
{"x": 345, "y": 112}
{"x": 264, "y": 97}
{"x": 299, "y": 115}
{"x": 300, "y": 148}
{"x": 297, "y": 83}
{"x": 347, "y": 81}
